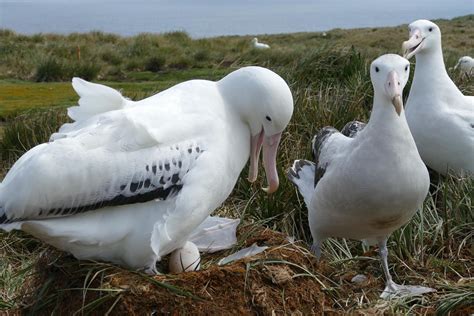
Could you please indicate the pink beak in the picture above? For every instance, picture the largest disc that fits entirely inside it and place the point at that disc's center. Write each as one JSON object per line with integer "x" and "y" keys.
{"x": 394, "y": 90}
{"x": 411, "y": 47}
{"x": 270, "y": 147}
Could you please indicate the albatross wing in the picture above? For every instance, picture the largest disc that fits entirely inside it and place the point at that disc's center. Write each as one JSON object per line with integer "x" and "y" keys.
{"x": 113, "y": 163}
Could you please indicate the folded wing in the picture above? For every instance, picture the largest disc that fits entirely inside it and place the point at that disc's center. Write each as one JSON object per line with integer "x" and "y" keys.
{"x": 111, "y": 161}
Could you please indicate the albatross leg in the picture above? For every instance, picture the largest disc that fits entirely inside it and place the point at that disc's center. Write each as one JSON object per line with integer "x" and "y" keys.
{"x": 152, "y": 270}
{"x": 393, "y": 289}
{"x": 316, "y": 248}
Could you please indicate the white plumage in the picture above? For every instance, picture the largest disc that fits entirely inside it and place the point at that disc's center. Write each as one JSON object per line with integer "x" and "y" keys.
{"x": 440, "y": 117}
{"x": 129, "y": 182}
{"x": 257, "y": 45}
{"x": 368, "y": 180}
{"x": 465, "y": 65}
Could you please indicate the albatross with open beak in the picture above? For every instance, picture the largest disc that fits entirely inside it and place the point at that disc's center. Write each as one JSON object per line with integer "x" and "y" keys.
{"x": 129, "y": 182}
{"x": 440, "y": 117}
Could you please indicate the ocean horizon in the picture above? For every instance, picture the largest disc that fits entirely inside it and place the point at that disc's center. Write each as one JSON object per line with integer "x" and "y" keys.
{"x": 211, "y": 18}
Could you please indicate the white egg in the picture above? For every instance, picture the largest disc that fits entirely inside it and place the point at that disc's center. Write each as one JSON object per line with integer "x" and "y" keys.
{"x": 185, "y": 259}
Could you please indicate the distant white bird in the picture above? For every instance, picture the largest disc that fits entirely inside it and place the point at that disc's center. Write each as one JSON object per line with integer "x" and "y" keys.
{"x": 440, "y": 117}
{"x": 369, "y": 180}
{"x": 465, "y": 65}
{"x": 129, "y": 182}
{"x": 257, "y": 45}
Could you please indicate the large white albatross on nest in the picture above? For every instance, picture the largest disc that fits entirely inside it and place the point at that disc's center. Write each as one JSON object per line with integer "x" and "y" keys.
{"x": 129, "y": 182}
{"x": 440, "y": 117}
{"x": 368, "y": 180}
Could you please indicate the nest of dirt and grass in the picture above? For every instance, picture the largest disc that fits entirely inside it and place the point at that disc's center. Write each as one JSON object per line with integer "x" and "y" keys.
{"x": 285, "y": 279}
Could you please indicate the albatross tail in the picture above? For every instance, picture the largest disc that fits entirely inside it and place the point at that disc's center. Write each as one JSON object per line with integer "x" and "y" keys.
{"x": 302, "y": 175}
{"x": 5, "y": 224}
{"x": 94, "y": 99}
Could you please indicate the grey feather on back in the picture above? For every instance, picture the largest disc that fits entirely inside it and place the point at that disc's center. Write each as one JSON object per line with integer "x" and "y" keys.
{"x": 352, "y": 128}
{"x": 318, "y": 143}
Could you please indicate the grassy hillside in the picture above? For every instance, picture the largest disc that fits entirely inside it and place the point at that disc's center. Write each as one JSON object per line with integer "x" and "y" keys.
{"x": 163, "y": 60}
{"x": 330, "y": 83}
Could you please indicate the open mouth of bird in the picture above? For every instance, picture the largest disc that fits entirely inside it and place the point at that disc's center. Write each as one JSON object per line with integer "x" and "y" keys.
{"x": 410, "y": 51}
{"x": 414, "y": 48}
{"x": 270, "y": 147}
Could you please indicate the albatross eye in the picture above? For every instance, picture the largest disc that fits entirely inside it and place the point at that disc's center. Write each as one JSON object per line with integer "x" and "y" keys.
{"x": 268, "y": 118}
{"x": 376, "y": 69}
{"x": 406, "y": 68}
{"x": 430, "y": 29}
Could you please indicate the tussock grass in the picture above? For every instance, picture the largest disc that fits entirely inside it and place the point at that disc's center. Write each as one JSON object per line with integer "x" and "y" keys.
{"x": 28, "y": 130}
{"x": 52, "y": 57}
{"x": 330, "y": 83}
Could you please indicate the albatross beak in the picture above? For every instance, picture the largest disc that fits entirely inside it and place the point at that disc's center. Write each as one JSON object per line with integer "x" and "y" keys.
{"x": 394, "y": 91}
{"x": 255, "y": 147}
{"x": 413, "y": 45}
{"x": 270, "y": 147}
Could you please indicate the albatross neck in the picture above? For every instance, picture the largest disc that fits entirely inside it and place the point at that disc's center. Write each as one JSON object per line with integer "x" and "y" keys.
{"x": 384, "y": 117}
{"x": 431, "y": 62}
{"x": 431, "y": 78}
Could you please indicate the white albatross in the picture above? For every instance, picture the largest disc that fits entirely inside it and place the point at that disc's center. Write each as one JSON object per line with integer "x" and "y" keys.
{"x": 257, "y": 45}
{"x": 129, "y": 182}
{"x": 466, "y": 66}
{"x": 369, "y": 180}
{"x": 440, "y": 117}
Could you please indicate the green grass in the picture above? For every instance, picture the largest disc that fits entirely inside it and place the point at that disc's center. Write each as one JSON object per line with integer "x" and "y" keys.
{"x": 59, "y": 57}
{"x": 17, "y": 96}
{"x": 329, "y": 80}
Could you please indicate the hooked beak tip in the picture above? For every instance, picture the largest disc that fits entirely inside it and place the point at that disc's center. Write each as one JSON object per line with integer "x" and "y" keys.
{"x": 404, "y": 50}
{"x": 272, "y": 188}
{"x": 398, "y": 104}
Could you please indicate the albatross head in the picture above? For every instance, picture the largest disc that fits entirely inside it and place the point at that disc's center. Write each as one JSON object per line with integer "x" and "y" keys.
{"x": 424, "y": 36}
{"x": 389, "y": 74}
{"x": 263, "y": 101}
{"x": 464, "y": 62}
{"x": 254, "y": 40}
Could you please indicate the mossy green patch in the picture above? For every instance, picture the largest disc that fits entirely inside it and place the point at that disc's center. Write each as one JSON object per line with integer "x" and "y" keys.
{"x": 17, "y": 96}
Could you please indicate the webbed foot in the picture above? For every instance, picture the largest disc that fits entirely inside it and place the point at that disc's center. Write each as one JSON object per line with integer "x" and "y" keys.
{"x": 393, "y": 290}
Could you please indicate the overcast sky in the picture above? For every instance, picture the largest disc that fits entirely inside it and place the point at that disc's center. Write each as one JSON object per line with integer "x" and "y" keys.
{"x": 201, "y": 18}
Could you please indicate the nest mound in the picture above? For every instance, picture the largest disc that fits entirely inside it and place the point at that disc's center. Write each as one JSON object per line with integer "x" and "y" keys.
{"x": 274, "y": 281}
{"x": 285, "y": 278}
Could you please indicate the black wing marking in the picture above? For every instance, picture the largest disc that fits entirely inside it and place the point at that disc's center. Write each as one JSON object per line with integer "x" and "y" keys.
{"x": 294, "y": 172}
{"x": 158, "y": 193}
{"x": 155, "y": 181}
{"x": 353, "y": 128}
{"x": 317, "y": 144}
